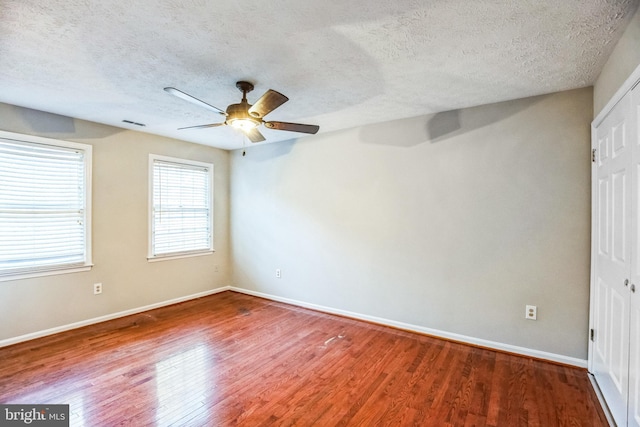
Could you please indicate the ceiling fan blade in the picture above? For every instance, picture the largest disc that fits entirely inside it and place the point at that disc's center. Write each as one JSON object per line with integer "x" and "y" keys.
{"x": 211, "y": 125}
{"x": 254, "y": 135}
{"x": 267, "y": 103}
{"x": 293, "y": 127}
{"x": 180, "y": 94}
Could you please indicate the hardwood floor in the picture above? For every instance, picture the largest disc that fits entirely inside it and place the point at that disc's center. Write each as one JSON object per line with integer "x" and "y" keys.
{"x": 232, "y": 359}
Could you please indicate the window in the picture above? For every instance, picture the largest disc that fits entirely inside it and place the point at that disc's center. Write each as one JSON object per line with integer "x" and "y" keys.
{"x": 180, "y": 208}
{"x": 45, "y": 200}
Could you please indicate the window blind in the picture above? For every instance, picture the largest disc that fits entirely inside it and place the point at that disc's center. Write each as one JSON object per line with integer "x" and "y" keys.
{"x": 42, "y": 207}
{"x": 181, "y": 215}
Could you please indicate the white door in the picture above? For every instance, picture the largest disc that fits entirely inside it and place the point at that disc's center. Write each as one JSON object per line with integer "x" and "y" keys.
{"x": 634, "y": 306}
{"x": 611, "y": 182}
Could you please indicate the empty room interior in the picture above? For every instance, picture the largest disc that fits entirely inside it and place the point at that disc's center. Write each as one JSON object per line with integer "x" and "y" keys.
{"x": 320, "y": 213}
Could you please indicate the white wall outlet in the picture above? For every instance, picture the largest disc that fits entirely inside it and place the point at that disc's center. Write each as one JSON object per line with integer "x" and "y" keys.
{"x": 531, "y": 312}
{"x": 215, "y": 268}
{"x": 278, "y": 273}
{"x": 97, "y": 288}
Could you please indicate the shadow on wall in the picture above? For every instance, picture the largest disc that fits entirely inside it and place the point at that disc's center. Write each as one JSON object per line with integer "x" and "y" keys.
{"x": 41, "y": 123}
{"x": 442, "y": 126}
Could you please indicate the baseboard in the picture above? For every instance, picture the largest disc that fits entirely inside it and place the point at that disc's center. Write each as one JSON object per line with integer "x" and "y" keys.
{"x": 63, "y": 328}
{"x": 523, "y": 351}
{"x": 552, "y": 357}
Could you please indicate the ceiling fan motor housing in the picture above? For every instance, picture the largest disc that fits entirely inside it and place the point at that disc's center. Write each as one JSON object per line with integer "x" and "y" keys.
{"x": 236, "y": 112}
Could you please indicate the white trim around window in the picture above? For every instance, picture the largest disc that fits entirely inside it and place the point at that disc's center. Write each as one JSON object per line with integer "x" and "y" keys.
{"x": 45, "y": 206}
{"x": 180, "y": 208}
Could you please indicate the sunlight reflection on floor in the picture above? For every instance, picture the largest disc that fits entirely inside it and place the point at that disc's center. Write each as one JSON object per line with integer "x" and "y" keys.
{"x": 182, "y": 383}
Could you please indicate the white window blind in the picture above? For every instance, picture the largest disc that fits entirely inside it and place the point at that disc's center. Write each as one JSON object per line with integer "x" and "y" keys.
{"x": 181, "y": 214}
{"x": 43, "y": 206}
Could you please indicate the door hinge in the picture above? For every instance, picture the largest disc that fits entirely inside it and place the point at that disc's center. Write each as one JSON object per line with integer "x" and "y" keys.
{"x": 592, "y": 334}
{"x": 593, "y": 155}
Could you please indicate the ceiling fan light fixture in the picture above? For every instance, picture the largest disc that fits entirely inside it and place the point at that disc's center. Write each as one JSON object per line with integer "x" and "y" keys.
{"x": 243, "y": 124}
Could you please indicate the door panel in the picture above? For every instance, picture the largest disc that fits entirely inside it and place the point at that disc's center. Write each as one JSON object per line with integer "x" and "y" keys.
{"x": 619, "y": 141}
{"x": 602, "y": 343}
{"x": 603, "y": 217}
{"x": 619, "y": 216}
{"x": 603, "y": 146}
{"x": 619, "y": 342}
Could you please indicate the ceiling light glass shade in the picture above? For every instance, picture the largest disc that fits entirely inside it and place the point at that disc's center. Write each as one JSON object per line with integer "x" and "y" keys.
{"x": 244, "y": 124}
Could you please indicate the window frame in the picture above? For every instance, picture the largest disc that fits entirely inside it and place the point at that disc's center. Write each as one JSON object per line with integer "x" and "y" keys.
{"x": 87, "y": 149}
{"x": 151, "y": 257}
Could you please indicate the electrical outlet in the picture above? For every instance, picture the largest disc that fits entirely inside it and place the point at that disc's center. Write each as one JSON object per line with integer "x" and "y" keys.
{"x": 215, "y": 268}
{"x": 278, "y": 273}
{"x": 531, "y": 312}
{"x": 97, "y": 288}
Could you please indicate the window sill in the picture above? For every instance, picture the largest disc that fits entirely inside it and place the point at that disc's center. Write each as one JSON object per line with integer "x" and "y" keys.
{"x": 54, "y": 272}
{"x": 178, "y": 256}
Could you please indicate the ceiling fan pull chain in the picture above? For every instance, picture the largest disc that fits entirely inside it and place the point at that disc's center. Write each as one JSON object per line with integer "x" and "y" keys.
{"x": 244, "y": 144}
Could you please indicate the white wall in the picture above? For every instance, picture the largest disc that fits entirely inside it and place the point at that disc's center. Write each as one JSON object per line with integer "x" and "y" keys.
{"x": 120, "y": 193}
{"x": 621, "y": 63}
{"x": 453, "y": 222}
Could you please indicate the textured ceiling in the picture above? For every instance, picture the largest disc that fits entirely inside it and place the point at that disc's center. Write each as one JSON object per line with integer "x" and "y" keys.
{"x": 341, "y": 63}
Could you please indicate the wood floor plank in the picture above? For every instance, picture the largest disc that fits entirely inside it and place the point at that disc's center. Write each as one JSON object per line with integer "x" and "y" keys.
{"x": 234, "y": 360}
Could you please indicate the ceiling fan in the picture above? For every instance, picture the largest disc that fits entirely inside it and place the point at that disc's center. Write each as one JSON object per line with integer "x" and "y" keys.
{"x": 245, "y": 116}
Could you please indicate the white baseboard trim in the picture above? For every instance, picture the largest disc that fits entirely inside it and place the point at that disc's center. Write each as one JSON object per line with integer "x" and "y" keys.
{"x": 558, "y": 358}
{"x": 63, "y": 328}
{"x": 373, "y": 319}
